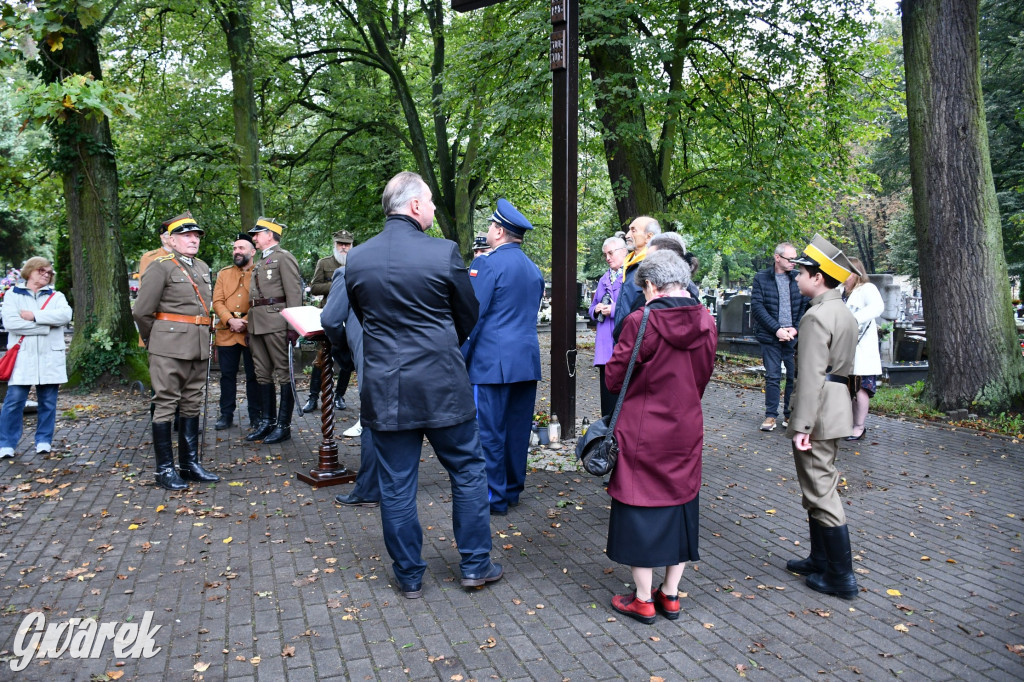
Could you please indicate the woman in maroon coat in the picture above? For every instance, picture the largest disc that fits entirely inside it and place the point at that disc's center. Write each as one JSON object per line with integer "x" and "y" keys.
{"x": 660, "y": 431}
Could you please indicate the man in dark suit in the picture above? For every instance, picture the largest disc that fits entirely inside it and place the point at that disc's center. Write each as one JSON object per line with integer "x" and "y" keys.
{"x": 776, "y": 307}
{"x": 503, "y": 353}
{"x": 413, "y": 297}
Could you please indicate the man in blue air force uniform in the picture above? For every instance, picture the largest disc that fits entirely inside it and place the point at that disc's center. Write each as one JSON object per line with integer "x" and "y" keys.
{"x": 503, "y": 354}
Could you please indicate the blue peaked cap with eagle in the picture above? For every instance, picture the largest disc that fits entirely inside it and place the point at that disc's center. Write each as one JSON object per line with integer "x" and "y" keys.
{"x": 508, "y": 217}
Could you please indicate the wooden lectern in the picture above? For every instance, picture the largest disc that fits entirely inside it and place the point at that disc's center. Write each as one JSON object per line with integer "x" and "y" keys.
{"x": 329, "y": 470}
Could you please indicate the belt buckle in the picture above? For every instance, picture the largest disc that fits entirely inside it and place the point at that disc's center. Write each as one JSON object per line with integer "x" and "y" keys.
{"x": 198, "y": 321}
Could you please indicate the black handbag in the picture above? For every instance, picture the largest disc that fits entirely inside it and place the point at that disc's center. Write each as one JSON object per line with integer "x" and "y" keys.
{"x": 597, "y": 448}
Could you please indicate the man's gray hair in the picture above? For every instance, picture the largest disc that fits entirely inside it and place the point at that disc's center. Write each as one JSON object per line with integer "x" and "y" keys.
{"x": 653, "y": 227}
{"x": 668, "y": 240}
{"x": 615, "y": 242}
{"x": 781, "y": 248}
{"x": 400, "y": 190}
{"x": 663, "y": 269}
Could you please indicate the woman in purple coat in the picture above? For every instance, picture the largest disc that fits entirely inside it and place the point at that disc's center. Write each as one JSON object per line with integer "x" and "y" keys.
{"x": 654, "y": 487}
{"x": 602, "y": 311}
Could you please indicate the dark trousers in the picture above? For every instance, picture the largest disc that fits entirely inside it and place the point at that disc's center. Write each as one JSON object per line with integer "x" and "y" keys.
{"x": 774, "y": 354}
{"x": 608, "y": 398}
{"x": 367, "y": 483}
{"x": 398, "y": 459}
{"x": 505, "y": 413}
{"x": 227, "y": 360}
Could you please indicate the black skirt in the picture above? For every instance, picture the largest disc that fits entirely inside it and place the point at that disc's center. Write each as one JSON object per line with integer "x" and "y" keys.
{"x": 649, "y": 537}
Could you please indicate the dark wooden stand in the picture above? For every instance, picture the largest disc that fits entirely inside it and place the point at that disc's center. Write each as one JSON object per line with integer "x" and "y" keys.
{"x": 330, "y": 470}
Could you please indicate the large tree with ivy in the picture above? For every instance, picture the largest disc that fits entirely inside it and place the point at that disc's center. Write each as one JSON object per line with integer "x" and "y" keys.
{"x": 60, "y": 40}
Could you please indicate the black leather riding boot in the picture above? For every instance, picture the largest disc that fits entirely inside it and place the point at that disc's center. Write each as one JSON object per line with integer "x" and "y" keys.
{"x": 815, "y": 563}
{"x": 166, "y": 475}
{"x": 838, "y": 578}
{"x": 268, "y": 408}
{"x": 283, "y": 430}
{"x": 188, "y": 453}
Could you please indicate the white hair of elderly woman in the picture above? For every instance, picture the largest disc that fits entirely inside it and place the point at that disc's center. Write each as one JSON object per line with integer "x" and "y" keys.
{"x": 663, "y": 269}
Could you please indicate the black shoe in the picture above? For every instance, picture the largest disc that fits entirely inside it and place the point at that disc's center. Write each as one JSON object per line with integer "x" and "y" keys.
{"x": 491, "y": 575}
{"x": 339, "y": 403}
{"x": 838, "y": 578}
{"x": 311, "y": 404}
{"x": 815, "y": 563}
{"x": 351, "y": 500}
{"x": 225, "y": 422}
{"x": 860, "y": 437}
{"x": 412, "y": 590}
{"x": 499, "y": 512}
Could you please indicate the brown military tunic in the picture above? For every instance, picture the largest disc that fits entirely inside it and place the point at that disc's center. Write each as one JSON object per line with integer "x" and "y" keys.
{"x": 147, "y": 258}
{"x": 178, "y": 349}
{"x": 827, "y": 345}
{"x": 275, "y": 285}
{"x": 144, "y": 262}
{"x": 320, "y": 285}
{"x": 231, "y": 299}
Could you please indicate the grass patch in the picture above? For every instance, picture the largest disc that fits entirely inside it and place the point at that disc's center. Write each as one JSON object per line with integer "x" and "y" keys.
{"x": 903, "y": 401}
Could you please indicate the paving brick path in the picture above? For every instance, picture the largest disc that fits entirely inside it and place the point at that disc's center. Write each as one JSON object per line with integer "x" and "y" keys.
{"x": 262, "y": 578}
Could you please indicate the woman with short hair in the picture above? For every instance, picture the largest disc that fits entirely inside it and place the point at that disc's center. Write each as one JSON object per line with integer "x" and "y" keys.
{"x": 660, "y": 431}
{"x": 34, "y": 313}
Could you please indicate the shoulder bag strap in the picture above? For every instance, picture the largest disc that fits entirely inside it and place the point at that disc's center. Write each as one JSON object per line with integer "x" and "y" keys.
{"x": 40, "y": 307}
{"x": 629, "y": 369}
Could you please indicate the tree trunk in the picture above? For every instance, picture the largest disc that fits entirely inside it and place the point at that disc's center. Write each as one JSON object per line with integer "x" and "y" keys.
{"x": 974, "y": 358}
{"x": 234, "y": 20}
{"x": 85, "y": 158}
{"x": 632, "y": 163}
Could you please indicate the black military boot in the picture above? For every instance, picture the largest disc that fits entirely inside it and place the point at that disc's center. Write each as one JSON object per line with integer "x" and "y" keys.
{"x": 166, "y": 475}
{"x": 283, "y": 430}
{"x": 268, "y": 406}
{"x": 815, "y": 563}
{"x": 838, "y": 578}
{"x": 224, "y": 422}
{"x": 188, "y": 452}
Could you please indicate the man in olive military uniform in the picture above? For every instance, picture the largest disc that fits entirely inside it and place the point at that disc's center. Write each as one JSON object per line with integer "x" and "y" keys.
{"x": 822, "y": 414}
{"x": 276, "y": 285}
{"x": 231, "y": 303}
{"x": 173, "y": 314}
{"x": 320, "y": 285}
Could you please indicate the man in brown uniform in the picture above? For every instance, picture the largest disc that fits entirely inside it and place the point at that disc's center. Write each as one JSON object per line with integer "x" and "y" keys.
{"x": 320, "y": 285}
{"x": 276, "y": 285}
{"x": 165, "y": 248}
{"x": 231, "y": 303}
{"x": 822, "y": 414}
{"x": 173, "y": 314}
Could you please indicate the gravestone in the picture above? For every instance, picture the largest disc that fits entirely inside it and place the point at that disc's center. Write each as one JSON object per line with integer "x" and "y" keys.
{"x": 734, "y": 316}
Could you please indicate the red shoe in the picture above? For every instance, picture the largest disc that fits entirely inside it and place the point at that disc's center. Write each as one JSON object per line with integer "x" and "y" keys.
{"x": 668, "y": 606}
{"x": 629, "y": 605}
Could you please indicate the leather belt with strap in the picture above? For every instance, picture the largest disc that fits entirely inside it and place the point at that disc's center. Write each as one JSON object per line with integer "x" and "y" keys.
{"x": 186, "y": 319}
{"x": 837, "y": 379}
{"x": 265, "y": 301}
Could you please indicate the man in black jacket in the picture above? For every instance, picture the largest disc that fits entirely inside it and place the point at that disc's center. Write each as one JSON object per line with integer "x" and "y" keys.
{"x": 413, "y": 296}
{"x": 777, "y": 306}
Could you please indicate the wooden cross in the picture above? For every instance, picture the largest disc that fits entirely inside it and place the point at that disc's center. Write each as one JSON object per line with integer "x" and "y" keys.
{"x": 564, "y": 160}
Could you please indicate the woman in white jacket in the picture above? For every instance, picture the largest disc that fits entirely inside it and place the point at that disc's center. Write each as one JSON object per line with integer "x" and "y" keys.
{"x": 864, "y": 301}
{"x": 41, "y": 361}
